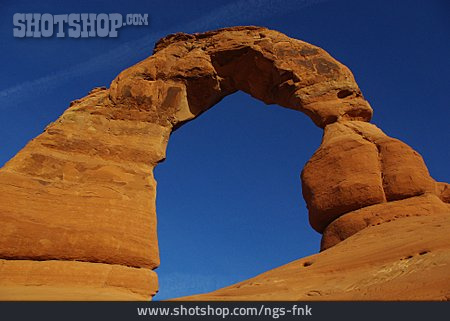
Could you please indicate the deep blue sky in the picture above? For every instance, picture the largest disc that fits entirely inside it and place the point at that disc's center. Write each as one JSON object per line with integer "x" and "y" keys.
{"x": 229, "y": 197}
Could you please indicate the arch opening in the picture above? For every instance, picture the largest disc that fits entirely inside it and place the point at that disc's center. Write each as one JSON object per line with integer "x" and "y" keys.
{"x": 238, "y": 210}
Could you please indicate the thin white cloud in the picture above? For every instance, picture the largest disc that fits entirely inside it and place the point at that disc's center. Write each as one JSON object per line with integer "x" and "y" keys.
{"x": 230, "y": 14}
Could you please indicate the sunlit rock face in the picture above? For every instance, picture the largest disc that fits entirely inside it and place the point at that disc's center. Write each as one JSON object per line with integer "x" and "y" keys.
{"x": 77, "y": 204}
{"x": 358, "y": 166}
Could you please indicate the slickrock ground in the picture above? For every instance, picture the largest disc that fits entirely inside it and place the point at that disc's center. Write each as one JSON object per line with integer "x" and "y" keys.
{"x": 77, "y": 204}
{"x": 405, "y": 259}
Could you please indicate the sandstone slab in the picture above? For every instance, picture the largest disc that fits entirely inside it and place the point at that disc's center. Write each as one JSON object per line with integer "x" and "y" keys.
{"x": 406, "y": 259}
{"x": 27, "y": 280}
{"x": 353, "y": 222}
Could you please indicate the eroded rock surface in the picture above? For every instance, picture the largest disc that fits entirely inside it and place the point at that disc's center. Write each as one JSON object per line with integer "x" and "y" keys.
{"x": 80, "y": 197}
{"x": 190, "y": 73}
{"x": 405, "y": 259}
{"x": 74, "y": 281}
{"x": 357, "y": 165}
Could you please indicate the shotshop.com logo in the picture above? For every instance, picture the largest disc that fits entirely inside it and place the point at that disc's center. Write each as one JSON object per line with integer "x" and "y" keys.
{"x": 74, "y": 25}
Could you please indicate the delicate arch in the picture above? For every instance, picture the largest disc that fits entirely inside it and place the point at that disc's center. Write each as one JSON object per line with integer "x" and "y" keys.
{"x": 188, "y": 74}
{"x": 84, "y": 190}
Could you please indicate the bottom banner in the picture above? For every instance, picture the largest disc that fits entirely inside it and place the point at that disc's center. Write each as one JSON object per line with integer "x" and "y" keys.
{"x": 225, "y": 310}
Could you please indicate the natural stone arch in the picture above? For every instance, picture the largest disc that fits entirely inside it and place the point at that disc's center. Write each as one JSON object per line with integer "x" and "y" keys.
{"x": 83, "y": 193}
{"x": 188, "y": 74}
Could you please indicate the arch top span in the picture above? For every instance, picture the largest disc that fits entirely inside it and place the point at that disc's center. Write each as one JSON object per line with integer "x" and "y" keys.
{"x": 189, "y": 73}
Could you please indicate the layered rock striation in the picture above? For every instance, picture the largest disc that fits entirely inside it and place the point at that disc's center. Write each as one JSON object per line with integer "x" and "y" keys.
{"x": 77, "y": 204}
{"x": 361, "y": 177}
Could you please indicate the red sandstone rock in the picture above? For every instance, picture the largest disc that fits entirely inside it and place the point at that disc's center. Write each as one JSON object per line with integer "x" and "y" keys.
{"x": 190, "y": 73}
{"x": 343, "y": 175}
{"x": 404, "y": 171}
{"x": 357, "y": 165}
{"x": 405, "y": 259}
{"x": 74, "y": 281}
{"x": 84, "y": 189}
{"x": 353, "y": 222}
{"x": 77, "y": 204}
{"x": 443, "y": 190}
